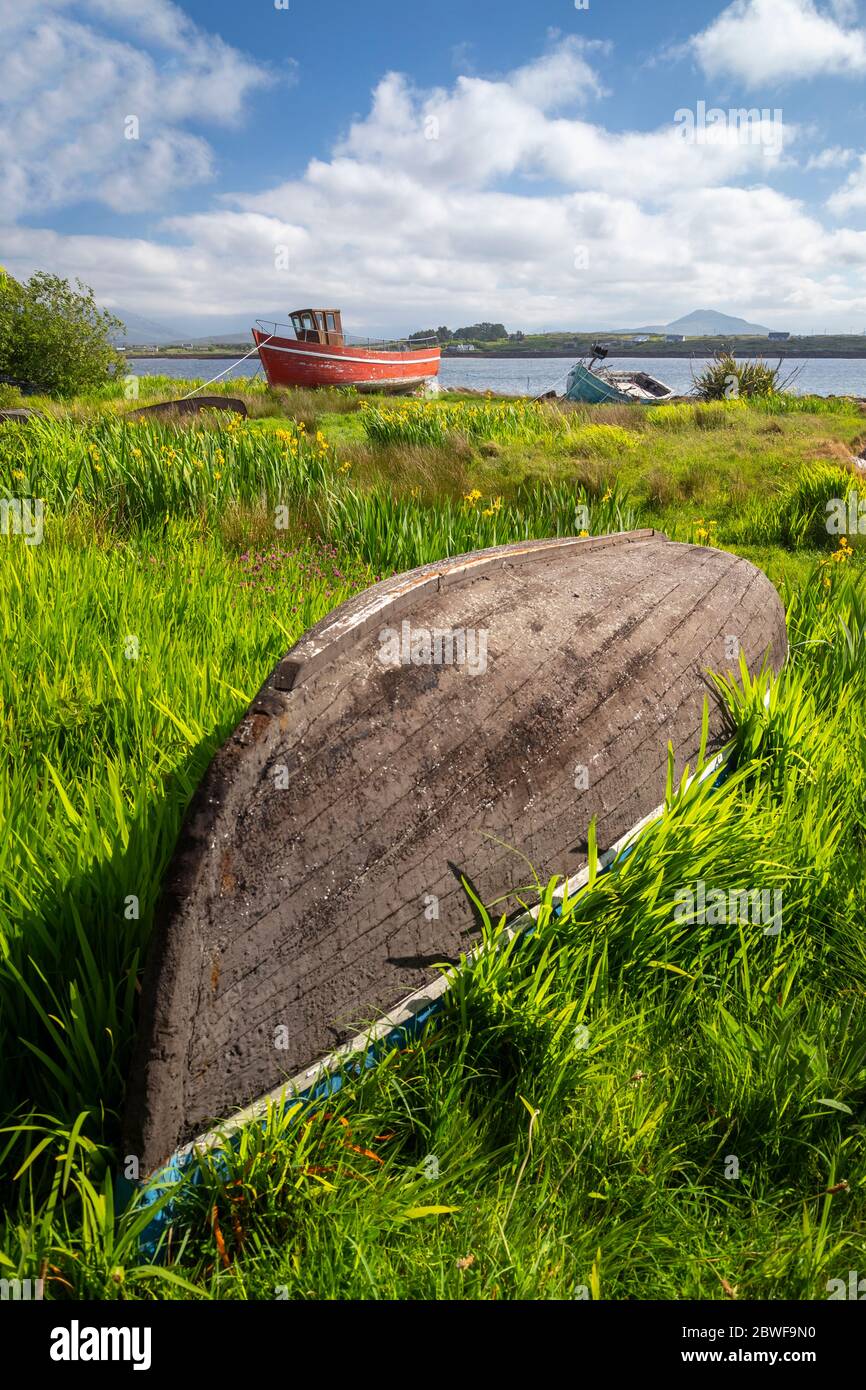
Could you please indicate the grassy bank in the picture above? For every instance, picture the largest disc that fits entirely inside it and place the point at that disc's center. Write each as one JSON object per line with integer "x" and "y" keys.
{"x": 569, "y": 1126}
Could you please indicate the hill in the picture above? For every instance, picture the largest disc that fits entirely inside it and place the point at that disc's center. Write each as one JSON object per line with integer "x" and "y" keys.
{"x": 710, "y": 323}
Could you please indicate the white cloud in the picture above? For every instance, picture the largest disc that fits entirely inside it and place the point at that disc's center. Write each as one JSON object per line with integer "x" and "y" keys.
{"x": 834, "y": 157}
{"x": 560, "y": 78}
{"x": 765, "y": 42}
{"x": 852, "y": 194}
{"x": 521, "y": 208}
{"x": 481, "y": 132}
{"x": 67, "y": 88}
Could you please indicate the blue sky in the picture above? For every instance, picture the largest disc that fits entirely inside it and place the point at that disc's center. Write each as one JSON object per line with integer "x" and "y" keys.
{"x": 424, "y": 164}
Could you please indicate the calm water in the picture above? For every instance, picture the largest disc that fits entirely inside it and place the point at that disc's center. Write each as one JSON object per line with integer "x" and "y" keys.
{"x": 828, "y": 376}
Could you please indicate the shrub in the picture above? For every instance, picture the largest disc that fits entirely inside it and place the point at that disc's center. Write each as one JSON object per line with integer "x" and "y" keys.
{"x": 726, "y": 378}
{"x": 56, "y": 336}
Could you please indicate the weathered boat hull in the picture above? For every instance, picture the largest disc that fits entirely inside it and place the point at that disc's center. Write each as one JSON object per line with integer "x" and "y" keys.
{"x": 288, "y": 362}
{"x": 317, "y": 878}
{"x": 615, "y": 388}
{"x": 192, "y": 405}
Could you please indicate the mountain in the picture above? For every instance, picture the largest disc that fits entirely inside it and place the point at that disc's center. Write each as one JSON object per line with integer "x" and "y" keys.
{"x": 233, "y": 337}
{"x": 141, "y": 331}
{"x": 144, "y": 332}
{"x": 708, "y": 323}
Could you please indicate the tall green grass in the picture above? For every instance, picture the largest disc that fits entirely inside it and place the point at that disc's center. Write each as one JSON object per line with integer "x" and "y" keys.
{"x": 797, "y": 515}
{"x": 122, "y": 668}
{"x": 432, "y": 422}
{"x": 135, "y": 474}
{"x": 128, "y": 477}
{"x": 394, "y": 532}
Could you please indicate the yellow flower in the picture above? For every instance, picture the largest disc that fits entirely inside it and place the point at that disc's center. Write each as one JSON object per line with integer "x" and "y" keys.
{"x": 17, "y": 473}
{"x": 583, "y": 533}
{"x": 472, "y": 497}
{"x": 607, "y": 496}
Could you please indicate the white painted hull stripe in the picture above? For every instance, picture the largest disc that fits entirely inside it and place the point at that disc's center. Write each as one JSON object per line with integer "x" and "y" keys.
{"x": 395, "y": 361}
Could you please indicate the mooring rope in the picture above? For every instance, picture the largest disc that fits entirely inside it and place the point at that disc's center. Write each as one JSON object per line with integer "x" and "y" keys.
{"x": 552, "y": 387}
{"x": 228, "y": 369}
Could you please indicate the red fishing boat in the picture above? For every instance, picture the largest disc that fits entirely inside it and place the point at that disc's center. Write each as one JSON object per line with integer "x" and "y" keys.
{"x": 318, "y": 355}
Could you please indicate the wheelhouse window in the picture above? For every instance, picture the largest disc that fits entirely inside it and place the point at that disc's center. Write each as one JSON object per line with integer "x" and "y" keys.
{"x": 305, "y": 326}
{"x": 318, "y": 325}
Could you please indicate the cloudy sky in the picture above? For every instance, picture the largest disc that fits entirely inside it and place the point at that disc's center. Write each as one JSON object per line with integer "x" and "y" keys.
{"x": 418, "y": 163}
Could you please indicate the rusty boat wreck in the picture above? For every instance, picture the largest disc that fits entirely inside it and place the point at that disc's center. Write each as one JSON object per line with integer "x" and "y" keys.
{"x": 426, "y": 731}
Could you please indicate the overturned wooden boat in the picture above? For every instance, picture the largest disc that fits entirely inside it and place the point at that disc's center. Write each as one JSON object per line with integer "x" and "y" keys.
{"x": 464, "y": 719}
{"x": 19, "y": 415}
{"x": 604, "y": 386}
{"x": 191, "y": 405}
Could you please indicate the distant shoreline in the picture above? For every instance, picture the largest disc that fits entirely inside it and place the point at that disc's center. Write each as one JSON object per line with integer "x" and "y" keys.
{"x": 193, "y": 356}
{"x": 669, "y": 350}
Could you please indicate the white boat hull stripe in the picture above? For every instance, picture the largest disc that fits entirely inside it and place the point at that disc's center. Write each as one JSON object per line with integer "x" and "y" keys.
{"x": 395, "y": 361}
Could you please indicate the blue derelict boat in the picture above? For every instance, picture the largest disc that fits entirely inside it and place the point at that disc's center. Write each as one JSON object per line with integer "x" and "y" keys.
{"x": 600, "y": 386}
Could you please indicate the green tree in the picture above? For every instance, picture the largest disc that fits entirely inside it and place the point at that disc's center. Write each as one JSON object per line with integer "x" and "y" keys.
{"x": 482, "y": 332}
{"x": 443, "y": 334}
{"x": 55, "y": 335}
